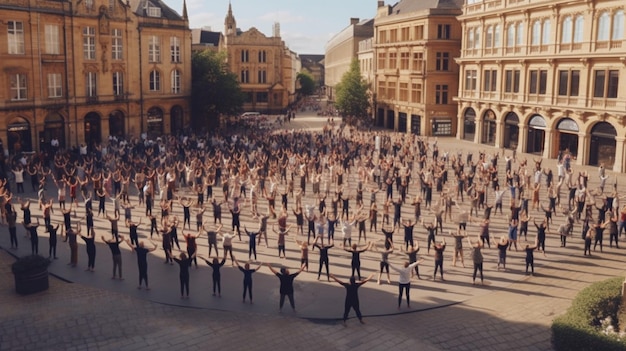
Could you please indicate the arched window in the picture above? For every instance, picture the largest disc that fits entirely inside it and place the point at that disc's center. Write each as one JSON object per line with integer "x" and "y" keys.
{"x": 579, "y": 26}
{"x": 566, "y": 30}
{"x": 536, "y": 34}
{"x": 155, "y": 80}
{"x": 519, "y": 41}
{"x": 618, "y": 25}
{"x": 477, "y": 38}
{"x": 496, "y": 36}
{"x": 510, "y": 35}
{"x": 489, "y": 37}
{"x": 545, "y": 34}
{"x": 603, "y": 27}
{"x": 470, "y": 38}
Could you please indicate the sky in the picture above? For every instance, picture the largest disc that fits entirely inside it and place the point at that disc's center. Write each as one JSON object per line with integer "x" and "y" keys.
{"x": 305, "y": 25}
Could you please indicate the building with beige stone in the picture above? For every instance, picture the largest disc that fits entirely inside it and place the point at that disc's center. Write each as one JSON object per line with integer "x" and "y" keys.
{"x": 416, "y": 76}
{"x": 544, "y": 78}
{"x": 80, "y": 71}
{"x": 341, "y": 49}
{"x": 263, "y": 65}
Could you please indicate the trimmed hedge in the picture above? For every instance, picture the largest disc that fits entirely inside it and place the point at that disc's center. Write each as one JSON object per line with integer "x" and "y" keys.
{"x": 580, "y": 327}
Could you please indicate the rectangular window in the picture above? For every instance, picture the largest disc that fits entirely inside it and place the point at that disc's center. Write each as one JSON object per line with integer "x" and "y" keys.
{"x": 393, "y": 58}
{"x": 55, "y": 85}
{"x": 568, "y": 83}
{"x": 15, "y": 37}
{"x": 516, "y": 75}
{"x": 419, "y": 32}
{"x": 18, "y": 87}
{"x": 262, "y": 97}
{"x": 441, "y": 94}
{"x": 404, "y": 60}
{"x": 418, "y": 61}
{"x": 154, "y": 11}
{"x": 404, "y": 34}
{"x": 245, "y": 56}
{"x": 563, "y": 82}
{"x": 508, "y": 81}
{"x": 262, "y": 76}
{"x": 543, "y": 82}
{"x": 416, "y": 93}
{"x": 118, "y": 84}
{"x": 89, "y": 43}
{"x": 117, "y": 47}
{"x": 52, "y": 39}
{"x": 381, "y": 60}
{"x": 404, "y": 92}
{"x": 490, "y": 80}
{"x": 154, "y": 49}
{"x": 262, "y": 56}
{"x": 391, "y": 91}
{"x": 612, "y": 84}
{"x": 443, "y": 59}
{"x": 382, "y": 36}
{"x": 245, "y": 76}
{"x": 470, "y": 79}
{"x": 443, "y": 31}
{"x": 394, "y": 35}
{"x": 574, "y": 83}
{"x": 538, "y": 82}
{"x": 90, "y": 84}
{"x": 382, "y": 90}
{"x": 175, "y": 49}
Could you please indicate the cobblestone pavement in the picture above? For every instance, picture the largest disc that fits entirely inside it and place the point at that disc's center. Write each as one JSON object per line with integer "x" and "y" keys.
{"x": 512, "y": 311}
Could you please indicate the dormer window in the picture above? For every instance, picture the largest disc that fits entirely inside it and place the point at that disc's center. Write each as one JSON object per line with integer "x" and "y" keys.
{"x": 153, "y": 11}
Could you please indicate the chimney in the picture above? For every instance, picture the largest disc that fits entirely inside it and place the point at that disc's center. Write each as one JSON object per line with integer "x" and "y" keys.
{"x": 354, "y": 20}
{"x": 381, "y": 4}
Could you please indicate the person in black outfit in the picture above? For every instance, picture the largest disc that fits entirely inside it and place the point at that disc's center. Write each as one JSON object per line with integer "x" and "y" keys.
{"x": 530, "y": 257}
{"x": 286, "y": 285}
{"x": 251, "y": 243}
{"x": 114, "y": 246}
{"x": 323, "y": 256}
{"x": 90, "y": 246}
{"x": 52, "y": 251}
{"x": 184, "y": 263}
{"x": 11, "y": 220}
{"x": 247, "y": 278}
{"x": 142, "y": 261}
{"x": 356, "y": 259}
{"x": 32, "y": 234}
{"x": 216, "y": 265}
{"x": 352, "y": 296}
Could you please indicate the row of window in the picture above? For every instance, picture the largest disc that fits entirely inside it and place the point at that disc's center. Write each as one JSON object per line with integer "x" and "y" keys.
{"x": 19, "y": 90}
{"x": 261, "y": 56}
{"x": 605, "y": 82}
{"x": 609, "y": 27}
{"x": 413, "y": 61}
{"x": 411, "y": 33}
{"x": 388, "y": 92}
{"x": 261, "y": 76}
{"x": 52, "y": 44}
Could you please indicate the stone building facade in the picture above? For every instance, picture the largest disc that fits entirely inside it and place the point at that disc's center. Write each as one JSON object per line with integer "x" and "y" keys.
{"x": 263, "y": 65}
{"x": 545, "y": 77}
{"x": 341, "y": 49}
{"x": 416, "y": 75}
{"x": 81, "y": 71}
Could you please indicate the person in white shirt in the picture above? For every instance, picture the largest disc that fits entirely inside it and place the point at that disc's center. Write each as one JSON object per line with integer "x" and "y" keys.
{"x": 228, "y": 246}
{"x": 404, "y": 281}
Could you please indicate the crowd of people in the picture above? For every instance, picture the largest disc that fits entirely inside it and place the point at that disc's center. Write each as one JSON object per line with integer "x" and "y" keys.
{"x": 306, "y": 186}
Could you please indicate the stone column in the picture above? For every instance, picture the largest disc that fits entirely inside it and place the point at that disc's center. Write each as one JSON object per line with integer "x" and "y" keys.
{"x": 583, "y": 149}
{"x": 499, "y": 134}
{"x": 479, "y": 131}
{"x": 547, "y": 143}
{"x": 523, "y": 138}
{"x": 618, "y": 166}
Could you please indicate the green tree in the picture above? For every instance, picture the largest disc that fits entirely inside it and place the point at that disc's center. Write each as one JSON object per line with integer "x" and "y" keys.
{"x": 215, "y": 90}
{"x": 352, "y": 98}
{"x": 307, "y": 84}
